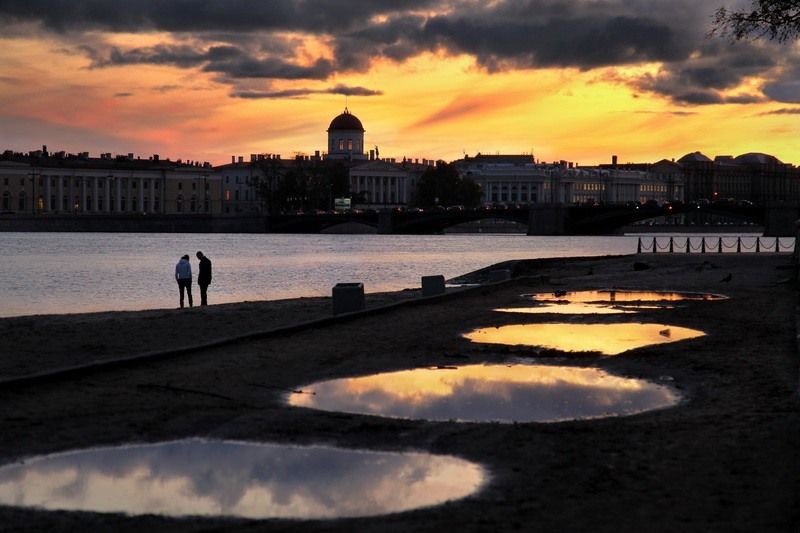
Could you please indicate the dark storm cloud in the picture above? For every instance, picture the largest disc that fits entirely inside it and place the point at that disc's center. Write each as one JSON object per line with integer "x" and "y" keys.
{"x": 301, "y": 93}
{"x": 239, "y": 39}
{"x": 228, "y": 61}
{"x": 203, "y": 15}
{"x": 704, "y": 77}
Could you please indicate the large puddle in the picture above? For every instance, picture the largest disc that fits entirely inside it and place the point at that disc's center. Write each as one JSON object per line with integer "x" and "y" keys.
{"x": 609, "y": 339}
{"x": 240, "y": 479}
{"x": 489, "y": 393}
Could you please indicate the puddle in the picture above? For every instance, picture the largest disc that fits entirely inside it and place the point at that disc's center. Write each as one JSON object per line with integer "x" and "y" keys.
{"x": 609, "y": 339}
{"x": 622, "y": 296}
{"x": 489, "y": 393}
{"x": 607, "y": 301}
{"x": 569, "y": 308}
{"x": 239, "y": 479}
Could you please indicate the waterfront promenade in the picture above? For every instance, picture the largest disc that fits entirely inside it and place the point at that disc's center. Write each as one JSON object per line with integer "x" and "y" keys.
{"x": 724, "y": 459}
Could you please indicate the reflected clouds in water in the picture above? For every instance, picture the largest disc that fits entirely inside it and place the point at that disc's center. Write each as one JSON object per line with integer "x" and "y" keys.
{"x": 202, "y": 477}
{"x": 608, "y": 301}
{"x": 489, "y": 393}
{"x": 625, "y": 296}
{"x": 609, "y": 339}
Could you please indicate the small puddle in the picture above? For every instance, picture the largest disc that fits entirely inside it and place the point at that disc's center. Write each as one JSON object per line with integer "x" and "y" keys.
{"x": 239, "y": 479}
{"x": 609, "y": 339}
{"x": 607, "y": 301}
{"x": 569, "y": 308}
{"x": 489, "y": 393}
{"x": 625, "y": 296}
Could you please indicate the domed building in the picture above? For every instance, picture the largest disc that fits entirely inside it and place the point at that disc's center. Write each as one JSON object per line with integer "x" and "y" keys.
{"x": 346, "y": 138}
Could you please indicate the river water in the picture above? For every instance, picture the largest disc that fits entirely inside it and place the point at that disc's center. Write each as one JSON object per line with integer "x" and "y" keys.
{"x": 44, "y": 273}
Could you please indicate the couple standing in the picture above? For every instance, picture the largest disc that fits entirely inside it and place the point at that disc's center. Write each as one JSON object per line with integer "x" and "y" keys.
{"x": 183, "y": 275}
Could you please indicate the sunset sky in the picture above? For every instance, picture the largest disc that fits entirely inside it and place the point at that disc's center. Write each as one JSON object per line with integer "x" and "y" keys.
{"x": 577, "y": 80}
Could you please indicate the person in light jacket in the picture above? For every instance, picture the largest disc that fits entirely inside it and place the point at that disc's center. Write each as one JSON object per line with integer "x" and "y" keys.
{"x": 183, "y": 275}
{"x": 204, "y": 277}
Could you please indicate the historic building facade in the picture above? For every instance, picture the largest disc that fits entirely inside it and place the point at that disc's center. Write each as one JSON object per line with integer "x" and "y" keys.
{"x": 754, "y": 177}
{"x": 44, "y": 183}
{"x": 519, "y": 179}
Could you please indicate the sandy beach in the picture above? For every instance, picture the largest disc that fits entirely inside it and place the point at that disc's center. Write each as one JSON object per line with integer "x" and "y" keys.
{"x": 724, "y": 459}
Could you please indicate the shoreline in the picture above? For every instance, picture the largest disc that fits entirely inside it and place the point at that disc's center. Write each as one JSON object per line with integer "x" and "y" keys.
{"x": 721, "y": 460}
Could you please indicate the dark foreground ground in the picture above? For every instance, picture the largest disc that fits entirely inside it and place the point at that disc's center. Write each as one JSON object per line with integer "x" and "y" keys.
{"x": 726, "y": 459}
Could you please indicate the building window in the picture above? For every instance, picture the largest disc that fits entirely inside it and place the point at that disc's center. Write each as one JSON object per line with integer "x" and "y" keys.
{"x": 194, "y": 186}
{"x": 227, "y": 195}
{"x": 341, "y": 145}
{"x": 180, "y": 186}
{"x": 350, "y": 145}
{"x": 179, "y": 204}
{"x": 22, "y": 201}
{"x": 6, "y": 199}
{"x": 193, "y": 204}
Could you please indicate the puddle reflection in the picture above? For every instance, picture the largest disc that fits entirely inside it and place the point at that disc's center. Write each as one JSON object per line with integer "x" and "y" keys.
{"x": 609, "y": 339}
{"x": 201, "y": 477}
{"x": 622, "y": 296}
{"x": 489, "y": 393}
{"x": 569, "y": 308}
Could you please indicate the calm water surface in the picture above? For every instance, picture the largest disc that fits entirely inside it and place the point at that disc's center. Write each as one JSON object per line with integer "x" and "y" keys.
{"x": 489, "y": 393}
{"x": 82, "y": 272}
{"x": 244, "y": 479}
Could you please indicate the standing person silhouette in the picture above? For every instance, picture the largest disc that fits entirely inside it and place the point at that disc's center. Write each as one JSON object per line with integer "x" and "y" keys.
{"x": 183, "y": 275}
{"x": 204, "y": 277}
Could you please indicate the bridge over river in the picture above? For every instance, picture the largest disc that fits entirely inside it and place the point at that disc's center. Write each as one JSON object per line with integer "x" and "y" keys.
{"x": 542, "y": 219}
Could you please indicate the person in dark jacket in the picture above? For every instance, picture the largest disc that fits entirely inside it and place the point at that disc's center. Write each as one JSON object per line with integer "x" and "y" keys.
{"x": 204, "y": 277}
{"x": 183, "y": 275}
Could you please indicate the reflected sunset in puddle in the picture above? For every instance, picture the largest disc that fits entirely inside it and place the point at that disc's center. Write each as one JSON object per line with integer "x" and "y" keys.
{"x": 488, "y": 393}
{"x": 609, "y": 339}
{"x": 606, "y": 302}
{"x": 627, "y": 296}
{"x": 241, "y": 479}
{"x": 569, "y": 308}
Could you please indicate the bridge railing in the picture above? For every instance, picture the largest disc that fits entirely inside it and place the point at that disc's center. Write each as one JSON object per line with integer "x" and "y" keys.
{"x": 720, "y": 245}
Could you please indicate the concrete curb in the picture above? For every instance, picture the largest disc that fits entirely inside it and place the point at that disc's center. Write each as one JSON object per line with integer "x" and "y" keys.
{"x": 77, "y": 371}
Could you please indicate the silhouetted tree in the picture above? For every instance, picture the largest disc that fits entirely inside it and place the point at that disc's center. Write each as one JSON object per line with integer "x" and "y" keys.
{"x": 778, "y": 20}
{"x": 443, "y": 185}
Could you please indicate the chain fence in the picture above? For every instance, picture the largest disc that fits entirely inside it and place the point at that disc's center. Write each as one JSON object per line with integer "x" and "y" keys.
{"x": 704, "y": 244}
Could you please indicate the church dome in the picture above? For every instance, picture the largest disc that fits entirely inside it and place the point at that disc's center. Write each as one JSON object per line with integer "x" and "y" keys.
{"x": 346, "y": 121}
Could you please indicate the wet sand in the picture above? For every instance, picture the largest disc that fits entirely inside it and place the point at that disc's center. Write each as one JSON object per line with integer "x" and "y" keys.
{"x": 725, "y": 459}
